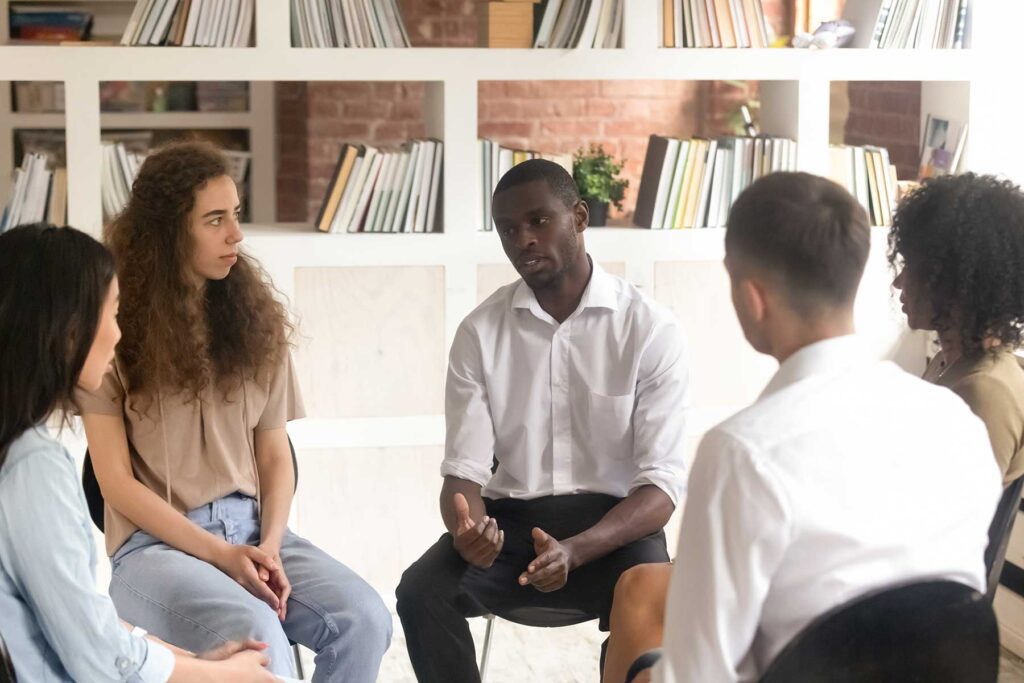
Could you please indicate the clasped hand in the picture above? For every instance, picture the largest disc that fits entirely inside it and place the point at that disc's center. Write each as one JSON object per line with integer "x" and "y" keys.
{"x": 259, "y": 571}
{"x": 480, "y": 543}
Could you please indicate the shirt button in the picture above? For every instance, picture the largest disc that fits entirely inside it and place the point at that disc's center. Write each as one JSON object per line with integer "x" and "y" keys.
{"x": 123, "y": 663}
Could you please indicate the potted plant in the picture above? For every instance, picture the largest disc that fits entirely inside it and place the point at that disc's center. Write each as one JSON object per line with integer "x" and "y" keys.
{"x": 597, "y": 177}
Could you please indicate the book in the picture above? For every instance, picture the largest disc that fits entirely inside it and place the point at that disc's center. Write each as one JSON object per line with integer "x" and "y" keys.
{"x": 336, "y": 188}
{"x": 347, "y": 23}
{"x": 190, "y": 23}
{"x": 691, "y": 183}
{"x": 657, "y": 156}
{"x": 868, "y": 174}
{"x": 494, "y": 161}
{"x": 908, "y": 24}
{"x": 53, "y": 24}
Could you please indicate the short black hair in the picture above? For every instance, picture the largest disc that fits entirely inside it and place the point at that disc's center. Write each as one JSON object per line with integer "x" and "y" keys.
{"x": 53, "y": 282}
{"x": 805, "y": 231}
{"x": 557, "y": 178}
{"x": 962, "y": 240}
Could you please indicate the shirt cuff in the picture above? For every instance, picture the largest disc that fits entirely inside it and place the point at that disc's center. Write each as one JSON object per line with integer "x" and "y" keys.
{"x": 159, "y": 664}
{"x": 673, "y": 484}
{"x": 460, "y": 469}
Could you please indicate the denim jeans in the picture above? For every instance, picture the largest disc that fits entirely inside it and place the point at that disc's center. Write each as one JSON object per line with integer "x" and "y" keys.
{"x": 192, "y": 604}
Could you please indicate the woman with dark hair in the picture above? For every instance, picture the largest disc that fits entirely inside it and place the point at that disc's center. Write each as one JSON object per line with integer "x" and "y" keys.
{"x": 58, "y": 329}
{"x": 188, "y": 439}
{"x": 958, "y": 243}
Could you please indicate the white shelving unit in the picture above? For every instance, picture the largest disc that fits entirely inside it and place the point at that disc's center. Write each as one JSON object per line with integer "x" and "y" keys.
{"x": 795, "y": 92}
{"x": 110, "y": 18}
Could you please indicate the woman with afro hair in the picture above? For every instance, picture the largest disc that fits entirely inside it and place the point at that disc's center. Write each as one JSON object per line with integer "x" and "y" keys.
{"x": 958, "y": 245}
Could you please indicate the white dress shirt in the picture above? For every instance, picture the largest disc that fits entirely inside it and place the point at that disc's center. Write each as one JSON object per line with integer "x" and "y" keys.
{"x": 596, "y": 404}
{"x": 846, "y": 475}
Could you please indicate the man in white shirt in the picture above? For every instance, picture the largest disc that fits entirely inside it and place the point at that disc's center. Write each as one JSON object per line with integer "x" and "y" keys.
{"x": 846, "y": 475}
{"x": 565, "y": 406}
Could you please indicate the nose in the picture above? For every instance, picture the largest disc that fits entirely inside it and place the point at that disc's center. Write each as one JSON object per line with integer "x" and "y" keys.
{"x": 525, "y": 238}
{"x": 235, "y": 232}
{"x": 897, "y": 282}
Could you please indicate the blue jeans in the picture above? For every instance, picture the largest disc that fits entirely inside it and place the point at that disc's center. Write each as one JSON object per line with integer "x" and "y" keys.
{"x": 192, "y": 604}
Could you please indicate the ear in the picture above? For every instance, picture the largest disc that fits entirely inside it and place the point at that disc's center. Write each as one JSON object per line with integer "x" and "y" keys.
{"x": 582, "y": 215}
{"x": 754, "y": 298}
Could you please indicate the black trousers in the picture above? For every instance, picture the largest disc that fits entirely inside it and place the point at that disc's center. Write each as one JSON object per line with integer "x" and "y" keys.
{"x": 439, "y": 591}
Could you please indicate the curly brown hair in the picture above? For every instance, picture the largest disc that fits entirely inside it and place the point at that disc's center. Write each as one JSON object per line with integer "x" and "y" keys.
{"x": 174, "y": 335}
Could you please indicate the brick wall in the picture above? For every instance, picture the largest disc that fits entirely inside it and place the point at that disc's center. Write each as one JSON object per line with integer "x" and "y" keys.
{"x": 315, "y": 118}
{"x": 887, "y": 114}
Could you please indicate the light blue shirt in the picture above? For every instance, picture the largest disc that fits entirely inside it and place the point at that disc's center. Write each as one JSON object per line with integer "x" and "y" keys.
{"x": 56, "y": 626}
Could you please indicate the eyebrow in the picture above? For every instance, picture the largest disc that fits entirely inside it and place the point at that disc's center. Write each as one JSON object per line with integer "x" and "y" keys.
{"x": 218, "y": 212}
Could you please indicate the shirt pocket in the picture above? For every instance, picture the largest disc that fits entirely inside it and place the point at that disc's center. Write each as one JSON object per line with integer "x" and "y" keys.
{"x": 610, "y": 426}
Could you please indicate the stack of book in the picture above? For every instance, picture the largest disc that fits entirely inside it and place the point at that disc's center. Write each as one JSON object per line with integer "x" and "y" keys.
{"x": 54, "y": 24}
{"x": 494, "y": 161}
{"x": 347, "y": 23}
{"x": 190, "y": 23}
{"x": 714, "y": 23}
{"x": 375, "y": 190}
{"x": 866, "y": 174}
{"x": 38, "y": 96}
{"x": 120, "y": 166}
{"x": 693, "y": 183}
{"x": 38, "y": 194}
{"x": 581, "y": 23}
{"x": 123, "y": 154}
{"x": 917, "y": 23}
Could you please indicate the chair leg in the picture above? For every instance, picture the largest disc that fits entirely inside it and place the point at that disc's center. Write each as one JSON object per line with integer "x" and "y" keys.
{"x": 487, "y": 647}
{"x": 298, "y": 662}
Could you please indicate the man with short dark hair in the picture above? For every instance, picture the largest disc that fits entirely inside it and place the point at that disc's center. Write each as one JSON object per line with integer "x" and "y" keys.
{"x": 564, "y": 458}
{"x": 846, "y": 475}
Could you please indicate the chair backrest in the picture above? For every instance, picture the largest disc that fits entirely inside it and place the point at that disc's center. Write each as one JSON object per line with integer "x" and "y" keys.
{"x": 999, "y": 534}
{"x": 94, "y": 496}
{"x": 6, "y": 665}
{"x": 934, "y": 631}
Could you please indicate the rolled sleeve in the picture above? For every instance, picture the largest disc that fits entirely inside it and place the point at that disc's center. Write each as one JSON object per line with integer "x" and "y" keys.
{"x": 469, "y": 441}
{"x": 48, "y": 552}
{"x": 660, "y": 414}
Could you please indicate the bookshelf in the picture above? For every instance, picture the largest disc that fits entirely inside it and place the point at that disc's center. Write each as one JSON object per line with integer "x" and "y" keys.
{"x": 333, "y": 278}
{"x": 257, "y": 121}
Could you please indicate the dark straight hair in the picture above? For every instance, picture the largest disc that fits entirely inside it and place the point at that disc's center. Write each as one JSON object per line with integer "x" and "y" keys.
{"x": 53, "y": 282}
{"x": 807, "y": 232}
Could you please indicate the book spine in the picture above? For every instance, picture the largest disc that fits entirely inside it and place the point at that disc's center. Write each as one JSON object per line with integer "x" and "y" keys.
{"x": 961, "y": 25}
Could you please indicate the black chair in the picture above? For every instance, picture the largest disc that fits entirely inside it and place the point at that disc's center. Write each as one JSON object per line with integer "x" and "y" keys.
{"x": 6, "y": 665}
{"x": 94, "y": 501}
{"x": 999, "y": 534}
{"x": 932, "y": 632}
{"x": 538, "y": 617}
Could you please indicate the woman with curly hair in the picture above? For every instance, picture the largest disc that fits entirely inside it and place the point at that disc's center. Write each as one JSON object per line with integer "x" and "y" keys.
{"x": 187, "y": 435}
{"x": 958, "y": 242}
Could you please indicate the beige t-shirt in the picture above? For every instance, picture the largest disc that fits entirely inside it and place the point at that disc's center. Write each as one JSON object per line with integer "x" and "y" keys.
{"x": 193, "y": 452}
{"x": 992, "y": 385}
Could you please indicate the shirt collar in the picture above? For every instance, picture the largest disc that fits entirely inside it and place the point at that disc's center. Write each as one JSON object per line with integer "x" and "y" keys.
{"x": 601, "y": 292}
{"x": 827, "y": 355}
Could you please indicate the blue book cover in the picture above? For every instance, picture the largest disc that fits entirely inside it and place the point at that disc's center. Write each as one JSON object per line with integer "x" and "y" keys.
{"x": 61, "y": 19}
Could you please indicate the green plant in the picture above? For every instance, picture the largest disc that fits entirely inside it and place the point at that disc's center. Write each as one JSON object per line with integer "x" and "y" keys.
{"x": 597, "y": 176}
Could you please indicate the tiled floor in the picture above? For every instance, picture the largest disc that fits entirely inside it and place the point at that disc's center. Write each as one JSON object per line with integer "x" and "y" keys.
{"x": 1011, "y": 668}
